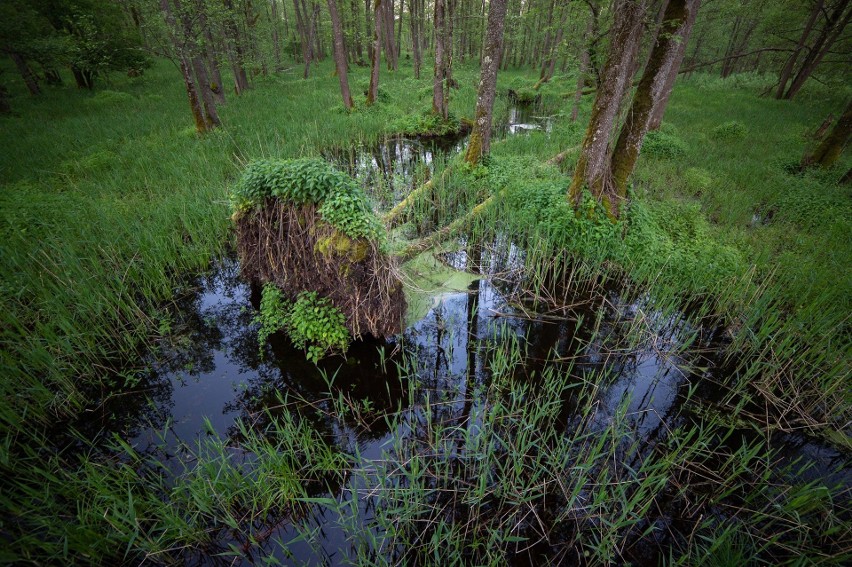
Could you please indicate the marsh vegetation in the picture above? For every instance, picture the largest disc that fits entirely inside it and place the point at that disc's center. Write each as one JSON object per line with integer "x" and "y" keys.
{"x": 314, "y": 334}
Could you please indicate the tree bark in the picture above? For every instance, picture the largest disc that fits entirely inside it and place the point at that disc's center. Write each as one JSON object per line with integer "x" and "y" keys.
{"x": 648, "y": 94}
{"x": 201, "y": 125}
{"x": 584, "y": 67}
{"x": 480, "y": 139}
{"x": 438, "y": 95}
{"x": 837, "y": 22}
{"x": 593, "y": 167}
{"x": 413, "y": 22}
{"x": 829, "y": 150}
{"x": 790, "y": 64}
{"x": 217, "y": 86}
{"x": 235, "y": 51}
{"x": 276, "y": 40}
{"x": 26, "y": 73}
{"x": 373, "y": 91}
{"x": 674, "y": 69}
{"x": 340, "y": 54}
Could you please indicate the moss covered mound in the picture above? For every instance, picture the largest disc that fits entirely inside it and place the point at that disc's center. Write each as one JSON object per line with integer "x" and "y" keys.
{"x": 307, "y": 227}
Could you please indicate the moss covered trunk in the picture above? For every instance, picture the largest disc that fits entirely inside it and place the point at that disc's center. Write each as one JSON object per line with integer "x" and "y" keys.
{"x": 829, "y": 150}
{"x": 593, "y": 167}
{"x": 648, "y": 95}
{"x": 480, "y": 138}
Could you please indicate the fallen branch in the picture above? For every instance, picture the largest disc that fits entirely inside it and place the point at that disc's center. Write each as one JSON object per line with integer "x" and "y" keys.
{"x": 561, "y": 156}
{"x": 391, "y": 218}
{"x": 438, "y": 236}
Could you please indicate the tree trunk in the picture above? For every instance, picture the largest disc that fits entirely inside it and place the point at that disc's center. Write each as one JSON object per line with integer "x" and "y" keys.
{"x": 413, "y": 19}
{"x": 661, "y": 104}
{"x": 390, "y": 42}
{"x": 835, "y": 25}
{"x": 790, "y": 64}
{"x": 549, "y": 65}
{"x": 593, "y": 167}
{"x": 584, "y": 67}
{"x": 373, "y": 91}
{"x": 26, "y": 73}
{"x": 480, "y": 139}
{"x": 316, "y": 32}
{"x": 830, "y": 149}
{"x": 438, "y": 103}
{"x": 276, "y": 40}
{"x": 212, "y": 59}
{"x": 648, "y": 94}
{"x": 201, "y": 125}
{"x": 211, "y": 115}
{"x": 235, "y": 52}
{"x": 340, "y": 54}
{"x": 399, "y": 30}
{"x": 303, "y": 24}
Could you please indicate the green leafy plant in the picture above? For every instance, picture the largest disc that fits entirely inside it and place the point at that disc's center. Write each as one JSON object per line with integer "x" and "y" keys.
{"x": 301, "y": 181}
{"x": 312, "y": 322}
{"x": 274, "y": 313}
{"x": 316, "y": 324}
{"x": 664, "y": 144}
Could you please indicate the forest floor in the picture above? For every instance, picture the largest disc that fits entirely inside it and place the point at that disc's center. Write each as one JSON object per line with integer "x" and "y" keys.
{"x": 728, "y": 262}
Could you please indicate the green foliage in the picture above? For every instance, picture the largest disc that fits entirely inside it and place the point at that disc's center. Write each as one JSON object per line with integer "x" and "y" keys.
{"x": 274, "y": 313}
{"x": 659, "y": 143}
{"x": 314, "y": 323}
{"x": 350, "y": 213}
{"x": 427, "y": 123}
{"x": 733, "y": 130}
{"x": 306, "y": 180}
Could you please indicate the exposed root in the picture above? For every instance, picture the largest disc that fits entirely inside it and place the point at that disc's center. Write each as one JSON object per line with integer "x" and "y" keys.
{"x": 292, "y": 247}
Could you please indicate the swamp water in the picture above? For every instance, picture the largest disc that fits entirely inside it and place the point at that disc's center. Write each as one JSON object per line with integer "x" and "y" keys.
{"x": 604, "y": 366}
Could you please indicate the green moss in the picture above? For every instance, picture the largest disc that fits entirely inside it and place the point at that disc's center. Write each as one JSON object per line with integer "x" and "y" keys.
{"x": 339, "y": 246}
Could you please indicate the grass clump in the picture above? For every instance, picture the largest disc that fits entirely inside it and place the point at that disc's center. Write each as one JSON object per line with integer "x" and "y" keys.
{"x": 659, "y": 143}
{"x": 427, "y": 124}
{"x": 733, "y": 130}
